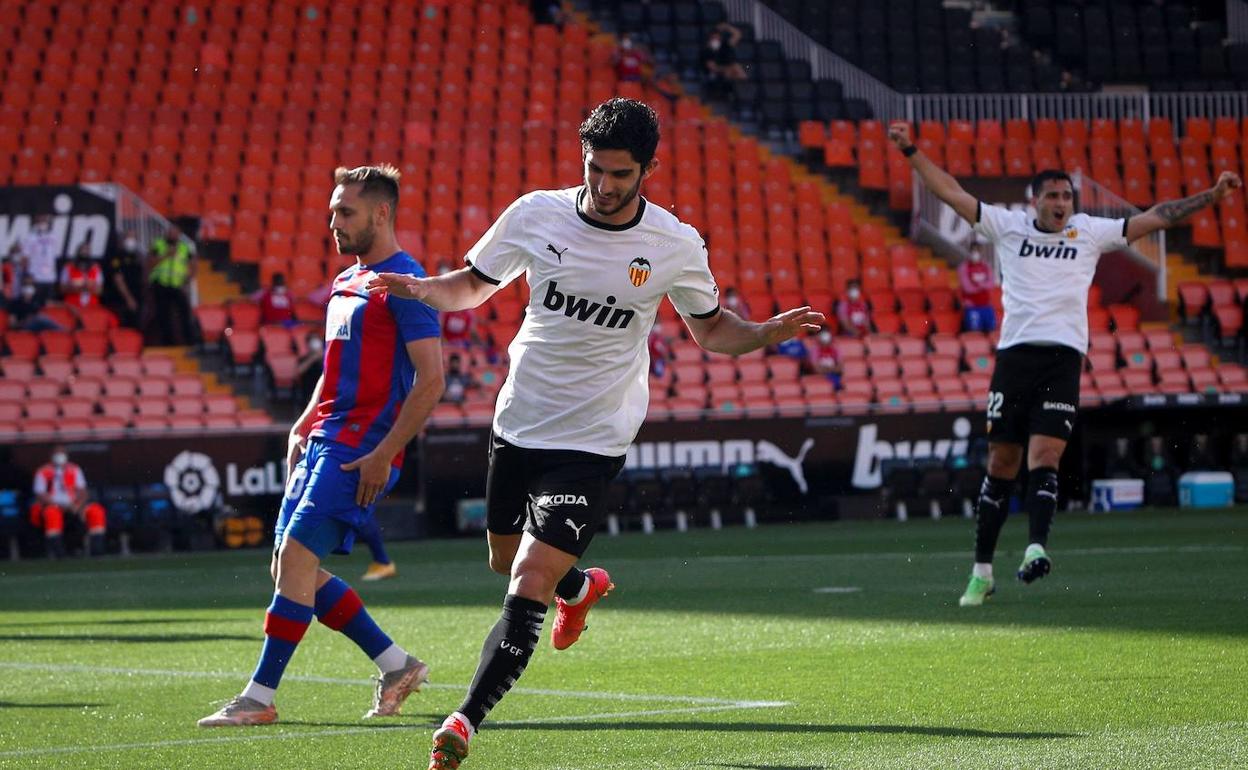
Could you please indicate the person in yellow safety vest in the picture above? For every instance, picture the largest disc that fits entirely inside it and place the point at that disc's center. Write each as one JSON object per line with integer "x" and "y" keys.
{"x": 174, "y": 268}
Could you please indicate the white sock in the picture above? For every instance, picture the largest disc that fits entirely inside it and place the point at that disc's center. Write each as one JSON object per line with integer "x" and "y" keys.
{"x": 257, "y": 691}
{"x": 981, "y": 570}
{"x": 1034, "y": 545}
{"x": 467, "y": 723}
{"x": 392, "y": 658}
{"x": 580, "y": 596}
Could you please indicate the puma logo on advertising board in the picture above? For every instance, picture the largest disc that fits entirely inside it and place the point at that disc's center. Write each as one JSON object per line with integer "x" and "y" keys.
{"x": 719, "y": 454}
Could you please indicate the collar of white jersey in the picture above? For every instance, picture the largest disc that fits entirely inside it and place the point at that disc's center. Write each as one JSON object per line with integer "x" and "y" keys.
{"x": 641, "y": 209}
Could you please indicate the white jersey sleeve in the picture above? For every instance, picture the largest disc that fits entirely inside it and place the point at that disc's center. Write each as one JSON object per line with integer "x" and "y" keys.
{"x": 994, "y": 221}
{"x": 1107, "y": 234}
{"x": 694, "y": 292}
{"x": 500, "y": 256}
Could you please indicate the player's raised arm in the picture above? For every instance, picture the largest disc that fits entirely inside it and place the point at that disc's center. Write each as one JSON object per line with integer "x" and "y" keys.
{"x": 727, "y": 332}
{"x": 936, "y": 178}
{"x": 456, "y": 290}
{"x": 1170, "y": 213}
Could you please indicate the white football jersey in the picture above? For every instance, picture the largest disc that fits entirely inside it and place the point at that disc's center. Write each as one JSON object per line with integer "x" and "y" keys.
{"x": 1045, "y": 276}
{"x": 580, "y": 363}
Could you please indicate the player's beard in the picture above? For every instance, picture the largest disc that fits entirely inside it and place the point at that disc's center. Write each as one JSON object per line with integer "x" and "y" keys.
{"x": 626, "y": 199}
{"x": 360, "y": 243}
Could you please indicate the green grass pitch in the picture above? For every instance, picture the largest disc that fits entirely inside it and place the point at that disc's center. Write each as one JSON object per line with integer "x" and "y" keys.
{"x": 799, "y": 647}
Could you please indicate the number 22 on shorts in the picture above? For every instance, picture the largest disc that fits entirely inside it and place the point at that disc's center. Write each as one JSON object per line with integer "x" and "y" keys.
{"x": 995, "y": 401}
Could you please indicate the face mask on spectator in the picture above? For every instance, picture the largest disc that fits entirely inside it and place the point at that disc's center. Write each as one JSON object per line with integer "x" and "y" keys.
{"x": 855, "y": 293}
{"x": 59, "y": 459}
{"x": 28, "y": 292}
{"x": 279, "y": 289}
{"x": 315, "y": 344}
{"x": 825, "y": 337}
{"x": 130, "y": 244}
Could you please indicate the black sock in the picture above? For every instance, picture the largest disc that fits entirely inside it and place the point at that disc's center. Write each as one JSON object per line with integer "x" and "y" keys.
{"x": 990, "y": 512}
{"x": 1041, "y": 503}
{"x": 570, "y": 585}
{"x": 504, "y": 656}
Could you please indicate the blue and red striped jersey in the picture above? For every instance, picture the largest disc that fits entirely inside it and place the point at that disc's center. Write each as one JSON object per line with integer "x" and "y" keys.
{"x": 368, "y": 372}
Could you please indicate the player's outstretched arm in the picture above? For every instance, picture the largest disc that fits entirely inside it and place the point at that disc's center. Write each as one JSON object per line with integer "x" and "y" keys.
{"x": 936, "y": 178}
{"x": 1170, "y": 213}
{"x": 727, "y": 332}
{"x": 456, "y": 290}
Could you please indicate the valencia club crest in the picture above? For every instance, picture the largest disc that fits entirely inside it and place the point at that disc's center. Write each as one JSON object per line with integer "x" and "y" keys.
{"x": 639, "y": 271}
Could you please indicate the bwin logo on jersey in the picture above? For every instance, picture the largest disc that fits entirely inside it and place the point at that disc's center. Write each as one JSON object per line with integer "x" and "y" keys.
{"x": 1060, "y": 251}
{"x": 582, "y": 309}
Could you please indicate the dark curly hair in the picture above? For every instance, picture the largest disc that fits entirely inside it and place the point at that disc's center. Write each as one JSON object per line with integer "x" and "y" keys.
{"x": 622, "y": 124}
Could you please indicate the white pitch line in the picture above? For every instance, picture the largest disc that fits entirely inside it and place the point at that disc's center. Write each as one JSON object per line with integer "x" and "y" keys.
{"x": 156, "y": 672}
{"x": 380, "y": 729}
{"x": 714, "y": 705}
{"x": 862, "y": 556}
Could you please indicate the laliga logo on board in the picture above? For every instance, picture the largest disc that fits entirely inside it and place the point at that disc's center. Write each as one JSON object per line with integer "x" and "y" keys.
{"x": 194, "y": 482}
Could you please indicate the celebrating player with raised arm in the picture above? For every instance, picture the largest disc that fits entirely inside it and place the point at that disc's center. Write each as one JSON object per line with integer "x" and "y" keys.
{"x": 1047, "y": 264}
{"x": 382, "y": 377}
{"x": 598, "y": 259}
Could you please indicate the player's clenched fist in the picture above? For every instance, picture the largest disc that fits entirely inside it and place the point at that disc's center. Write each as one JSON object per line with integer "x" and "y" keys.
{"x": 400, "y": 285}
{"x": 899, "y": 134}
{"x": 1228, "y": 182}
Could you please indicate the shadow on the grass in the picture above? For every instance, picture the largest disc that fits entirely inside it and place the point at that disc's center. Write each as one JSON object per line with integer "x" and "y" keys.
{"x": 775, "y": 727}
{"x": 115, "y": 622}
{"x": 770, "y": 767}
{"x": 129, "y": 638}
{"x": 6, "y": 704}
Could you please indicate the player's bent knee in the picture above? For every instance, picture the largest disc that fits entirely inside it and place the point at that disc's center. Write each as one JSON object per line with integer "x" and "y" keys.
{"x": 501, "y": 564}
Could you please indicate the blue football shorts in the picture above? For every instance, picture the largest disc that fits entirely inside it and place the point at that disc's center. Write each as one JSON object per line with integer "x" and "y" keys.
{"x": 318, "y": 508}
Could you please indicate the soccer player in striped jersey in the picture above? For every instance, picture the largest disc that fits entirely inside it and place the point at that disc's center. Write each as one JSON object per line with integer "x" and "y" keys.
{"x": 598, "y": 259}
{"x": 1047, "y": 263}
{"x": 382, "y": 377}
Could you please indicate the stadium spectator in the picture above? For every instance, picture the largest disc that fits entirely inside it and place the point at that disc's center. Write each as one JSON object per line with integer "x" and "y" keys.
{"x": 631, "y": 61}
{"x": 123, "y": 281}
{"x": 1159, "y": 487}
{"x": 551, "y": 459}
{"x": 1239, "y": 452}
{"x": 825, "y": 359}
{"x": 39, "y": 247}
{"x": 82, "y": 280}
{"x": 794, "y": 348}
{"x": 170, "y": 280}
{"x": 660, "y": 348}
{"x": 719, "y": 57}
{"x": 11, "y": 271}
{"x": 1201, "y": 457}
{"x": 311, "y": 364}
{"x": 736, "y": 303}
{"x": 62, "y": 504}
{"x": 25, "y": 312}
{"x": 458, "y": 381}
{"x": 975, "y": 282}
{"x": 852, "y": 311}
{"x": 1047, "y": 262}
{"x": 276, "y": 306}
{"x": 459, "y": 328}
{"x": 1121, "y": 463}
{"x": 383, "y": 376}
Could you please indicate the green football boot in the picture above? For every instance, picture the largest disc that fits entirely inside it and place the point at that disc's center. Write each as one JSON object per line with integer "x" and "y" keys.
{"x": 976, "y": 591}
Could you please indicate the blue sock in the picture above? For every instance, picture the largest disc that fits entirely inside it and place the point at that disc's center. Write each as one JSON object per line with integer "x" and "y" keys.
{"x": 371, "y": 535}
{"x": 339, "y": 607}
{"x": 284, "y": 625}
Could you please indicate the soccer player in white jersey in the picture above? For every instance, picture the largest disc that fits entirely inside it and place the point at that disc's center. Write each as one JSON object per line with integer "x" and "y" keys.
{"x": 598, "y": 259}
{"x": 1047, "y": 263}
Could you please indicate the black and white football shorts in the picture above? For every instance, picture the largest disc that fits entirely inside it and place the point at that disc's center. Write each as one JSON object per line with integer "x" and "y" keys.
{"x": 1035, "y": 389}
{"x": 557, "y": 495}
